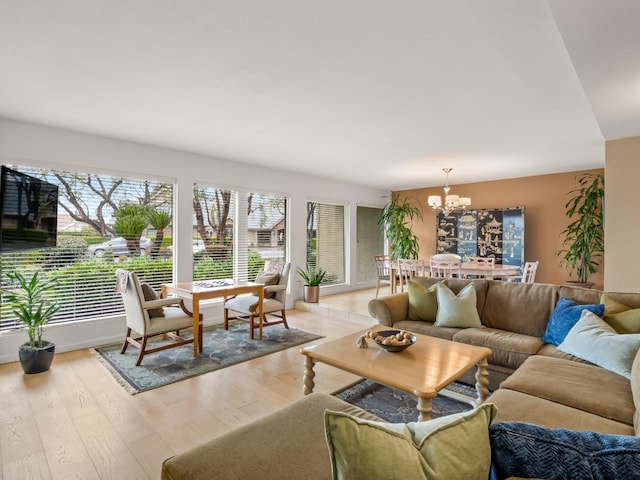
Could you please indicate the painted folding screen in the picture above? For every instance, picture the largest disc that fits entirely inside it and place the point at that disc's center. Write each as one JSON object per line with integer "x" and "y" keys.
{"x": 496, "y": 232}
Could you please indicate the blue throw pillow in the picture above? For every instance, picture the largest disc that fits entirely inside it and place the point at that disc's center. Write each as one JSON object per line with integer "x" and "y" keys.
{"x": 564, "y": 317}
{"x": 531, "y": 451}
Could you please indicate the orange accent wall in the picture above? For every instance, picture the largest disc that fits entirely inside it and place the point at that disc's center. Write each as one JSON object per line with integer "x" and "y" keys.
{"x": 543, "y": 198}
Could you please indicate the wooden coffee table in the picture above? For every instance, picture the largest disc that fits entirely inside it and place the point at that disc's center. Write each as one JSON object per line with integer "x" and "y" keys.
{"x": 422, "y": 370}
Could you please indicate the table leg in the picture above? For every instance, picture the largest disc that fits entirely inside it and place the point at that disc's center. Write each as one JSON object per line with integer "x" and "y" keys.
{"x": 261, "y": 308}
{"x": 394, "y": 284}
{"x": 197, "y": 338}
{"x": 482, "y": 381}
{"x": 424, "y": 409}
{"x": 307, "y": 379}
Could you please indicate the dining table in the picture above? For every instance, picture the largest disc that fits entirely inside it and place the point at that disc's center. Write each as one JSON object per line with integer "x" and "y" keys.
{"x": 467, "y": 270}
{"x": 208, "y": 289}
{"x": 488, "y": 271}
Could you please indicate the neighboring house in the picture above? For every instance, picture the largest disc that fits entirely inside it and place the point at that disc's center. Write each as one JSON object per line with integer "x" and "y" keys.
{"x": 266, "y": 232}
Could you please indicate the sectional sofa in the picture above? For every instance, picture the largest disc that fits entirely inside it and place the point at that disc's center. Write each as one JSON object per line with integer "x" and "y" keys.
{"x": 533, "y": 381}
{"x": 537, "y": 387}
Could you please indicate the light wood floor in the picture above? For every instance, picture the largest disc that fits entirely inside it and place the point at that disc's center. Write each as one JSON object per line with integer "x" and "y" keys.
{"x": 76, "y": 422}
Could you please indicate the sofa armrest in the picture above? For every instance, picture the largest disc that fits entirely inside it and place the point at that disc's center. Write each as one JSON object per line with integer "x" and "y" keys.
{"x": 390, "y": 309}
{"x": 288, "y": 443}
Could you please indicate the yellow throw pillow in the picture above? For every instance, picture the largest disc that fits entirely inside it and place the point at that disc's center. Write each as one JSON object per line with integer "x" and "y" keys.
{"x": 454, "y": 447}
{"x": 622, "y": 318}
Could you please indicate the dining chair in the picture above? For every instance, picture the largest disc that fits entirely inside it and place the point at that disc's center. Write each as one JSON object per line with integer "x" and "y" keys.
{"x": 480, "y": 262}
{"x": 148, "y": 316}
{"x": 528, "y": 273}
{"x": 245, "y": 307}
{"x": 408, "y": 269}
{"x": 445, "y": 265}
{"x": 383, "y": 271}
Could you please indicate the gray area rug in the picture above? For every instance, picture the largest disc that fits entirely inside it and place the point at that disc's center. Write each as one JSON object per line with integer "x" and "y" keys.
{"x": 221, "y": 348}
{"x": 398, "y": 407}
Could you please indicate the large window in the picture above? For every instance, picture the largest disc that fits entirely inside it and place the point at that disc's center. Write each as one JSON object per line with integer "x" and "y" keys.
{"x": 104, "y": 223}
{"x": 369, "y": 242}
{"x": 326, "y": 240}
{"x": 239, "y": 232}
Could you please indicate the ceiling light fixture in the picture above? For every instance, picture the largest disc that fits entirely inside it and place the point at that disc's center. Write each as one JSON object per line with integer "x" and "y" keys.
{"x": 452, "y": 203}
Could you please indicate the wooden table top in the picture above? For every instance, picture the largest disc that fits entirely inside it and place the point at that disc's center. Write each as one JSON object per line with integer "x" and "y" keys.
{"x": 423, "y": 369}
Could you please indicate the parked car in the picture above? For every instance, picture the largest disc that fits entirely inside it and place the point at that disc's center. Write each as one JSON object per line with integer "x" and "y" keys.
{"x": 118, "y": 246}
{"x": 198, "y": 246}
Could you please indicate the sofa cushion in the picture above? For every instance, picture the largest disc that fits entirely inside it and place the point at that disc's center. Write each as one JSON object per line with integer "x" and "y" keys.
{"x": 509, "y": 349}
{"x": 552, "y": 351}
{"x": 362, "y": 449}
{"x": 423, "y": 301}
{"x": 575, "y": 385}
{"x": 565, "y": 315}
{"x": 580, "y": 294}
{"x": 622, "y": 318}
{"x": 457, "y": 310}
{"x": 596, "y": 341}
{"x": 519, "y": 307}
{"x": 525, "y": 450}
{"x": 522, "y": 407}
{"x": 427, "y": 328}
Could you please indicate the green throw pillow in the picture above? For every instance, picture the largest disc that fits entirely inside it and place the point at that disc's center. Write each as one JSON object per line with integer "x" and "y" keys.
{"x": 457, "y": 310}
{"x": 623, "y": 319}
{"x": 451, "y": 447}
{"x": 596, "y": 341}
{"x": 423, "y": 302}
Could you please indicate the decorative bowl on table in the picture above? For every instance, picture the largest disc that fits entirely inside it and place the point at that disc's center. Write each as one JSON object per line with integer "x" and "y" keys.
{"x": 393, "y": 340}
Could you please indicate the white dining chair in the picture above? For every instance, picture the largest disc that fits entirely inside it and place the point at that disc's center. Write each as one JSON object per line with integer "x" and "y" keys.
{"x": 528, "y": 273}
{"x": 383, "y": 271}
{"x": 445, "y": 265}
{"x": 408, "y": 269}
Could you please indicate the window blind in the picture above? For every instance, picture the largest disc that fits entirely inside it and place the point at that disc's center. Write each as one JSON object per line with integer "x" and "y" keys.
{"x": 87, "y": 209}
{"x": 326, "y": 240}
{"x": 369, "y": 242}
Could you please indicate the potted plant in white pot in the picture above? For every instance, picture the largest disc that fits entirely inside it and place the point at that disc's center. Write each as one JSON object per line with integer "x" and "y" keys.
{"x": 584, "y": 236}
{"x": 31, "y": 306}
{"x": 312, "y": 278}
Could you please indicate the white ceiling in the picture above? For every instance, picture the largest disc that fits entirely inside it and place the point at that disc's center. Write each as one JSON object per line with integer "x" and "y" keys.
{"x": 372, "y": 91}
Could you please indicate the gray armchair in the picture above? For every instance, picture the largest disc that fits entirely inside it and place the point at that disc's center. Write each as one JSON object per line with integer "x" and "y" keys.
{"x": 245, "y": 307}
{"x": 147, "y": 316}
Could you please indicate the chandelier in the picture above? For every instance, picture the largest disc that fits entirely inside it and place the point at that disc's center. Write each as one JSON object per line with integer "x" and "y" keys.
{"x": 452, "y": 203}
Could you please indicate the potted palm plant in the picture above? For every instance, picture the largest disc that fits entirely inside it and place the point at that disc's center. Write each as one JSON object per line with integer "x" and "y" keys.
{"x": 312, "y": 278}
{"x": 395, "y": 219}
{"x": 584, "y": 236}
{"x": 31, "y": 306}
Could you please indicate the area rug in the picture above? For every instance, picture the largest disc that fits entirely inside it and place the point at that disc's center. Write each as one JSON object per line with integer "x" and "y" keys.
{"x": 398, "y": 407}
{"x": 221, "y": 348}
